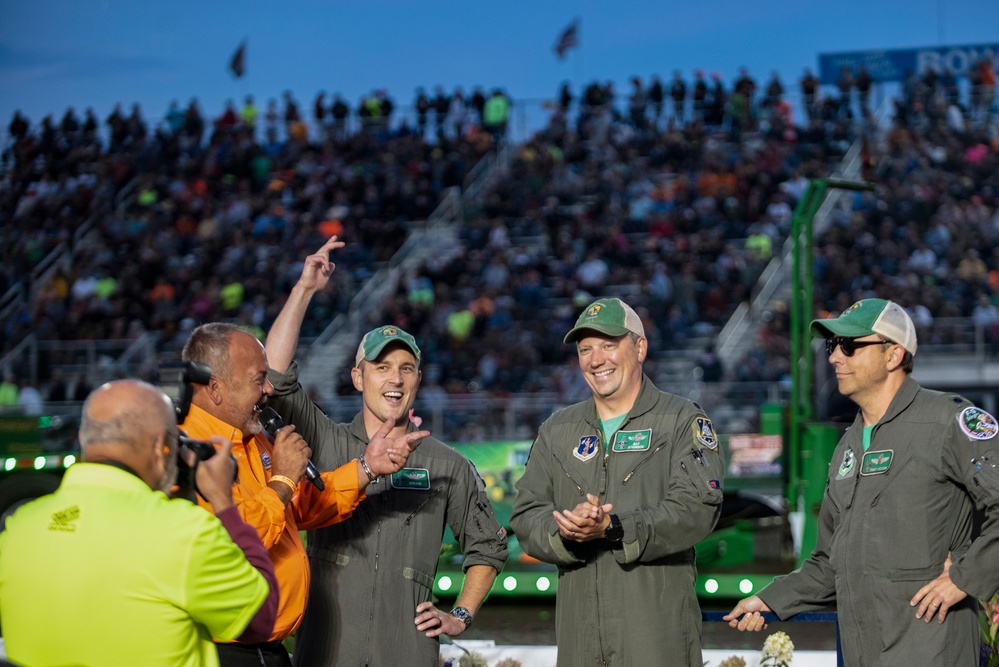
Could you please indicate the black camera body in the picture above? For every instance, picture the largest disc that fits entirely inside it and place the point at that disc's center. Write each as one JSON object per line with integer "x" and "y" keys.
{"x": 177, "y": 380}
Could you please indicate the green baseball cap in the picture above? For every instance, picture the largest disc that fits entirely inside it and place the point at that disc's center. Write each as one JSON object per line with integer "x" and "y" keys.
{"x": 608, "y": 316}
{"x": 375, "y": 341}
{"x": 870, "y": 316}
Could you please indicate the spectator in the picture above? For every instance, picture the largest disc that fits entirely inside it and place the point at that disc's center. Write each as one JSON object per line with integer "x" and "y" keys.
{"x": 809, "y": 86}
{"x": 863, "y": 84}
{"x": 678, "y": 93}
{"x": 29, "y": 400}
{"x": 9, "y": 392}
{"x": 710, "y": 365}
{"x": 656, "y": 97}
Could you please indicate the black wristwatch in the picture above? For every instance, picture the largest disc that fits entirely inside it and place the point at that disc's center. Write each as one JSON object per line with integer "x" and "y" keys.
{"x": 615, "y": 531}
{"x": 462, "y": 615}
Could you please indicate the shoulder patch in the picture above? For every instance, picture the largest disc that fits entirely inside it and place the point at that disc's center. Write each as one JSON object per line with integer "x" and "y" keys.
{"x": 704, "y": 432}
{"x": 977, "y": 424}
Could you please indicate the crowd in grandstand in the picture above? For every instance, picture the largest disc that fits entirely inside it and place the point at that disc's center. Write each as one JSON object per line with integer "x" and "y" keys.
{"x": 674, "y": 195}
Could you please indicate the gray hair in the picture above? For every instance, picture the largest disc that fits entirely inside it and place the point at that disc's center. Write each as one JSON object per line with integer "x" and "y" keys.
{"x": 209, "y": 344}
{"x": 131, "y": 422}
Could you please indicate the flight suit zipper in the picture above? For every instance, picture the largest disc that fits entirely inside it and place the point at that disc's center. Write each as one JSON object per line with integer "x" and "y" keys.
{"x": 422, "y": 505}
{"x": 642, "y": 463}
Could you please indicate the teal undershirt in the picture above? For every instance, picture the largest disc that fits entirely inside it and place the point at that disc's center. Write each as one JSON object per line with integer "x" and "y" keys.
{"x": 867, "y": 436}
{"x": 609, "y": 427}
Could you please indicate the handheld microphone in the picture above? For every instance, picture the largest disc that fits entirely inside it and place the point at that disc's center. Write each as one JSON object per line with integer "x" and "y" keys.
{"x": 272, "y": 422}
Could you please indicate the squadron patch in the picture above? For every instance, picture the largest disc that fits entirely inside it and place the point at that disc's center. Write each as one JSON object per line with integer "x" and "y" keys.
{"x": 704, "y": 432}
{"x": 977, "y": 424}
{"x": 586, "y": 449}
{"x": 846, "y": 467}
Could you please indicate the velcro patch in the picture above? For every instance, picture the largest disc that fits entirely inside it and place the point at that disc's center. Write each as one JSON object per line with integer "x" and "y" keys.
{"x": 632, "y": 441}
{"x": 977, "y": 424}
{"x": 412, "y": 478}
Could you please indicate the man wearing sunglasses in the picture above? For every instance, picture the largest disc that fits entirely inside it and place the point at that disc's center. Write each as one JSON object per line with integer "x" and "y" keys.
{"x": 895, "y": 548}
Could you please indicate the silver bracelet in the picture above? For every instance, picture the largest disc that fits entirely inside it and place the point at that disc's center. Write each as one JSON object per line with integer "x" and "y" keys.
{"x": 366, "y": 469}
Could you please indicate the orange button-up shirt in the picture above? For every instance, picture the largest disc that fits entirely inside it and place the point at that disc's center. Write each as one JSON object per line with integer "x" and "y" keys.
{"x": 278, "y": 525}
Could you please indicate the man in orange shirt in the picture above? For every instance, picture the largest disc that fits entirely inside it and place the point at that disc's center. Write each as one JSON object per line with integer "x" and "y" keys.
{"x": 270, "y": 493}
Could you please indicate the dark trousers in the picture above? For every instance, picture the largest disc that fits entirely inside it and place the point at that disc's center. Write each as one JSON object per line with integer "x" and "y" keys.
{"x": 268, "y": 654}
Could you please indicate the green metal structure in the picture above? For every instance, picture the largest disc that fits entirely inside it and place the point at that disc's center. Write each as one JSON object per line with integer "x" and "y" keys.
{"x": 809, "y": 444}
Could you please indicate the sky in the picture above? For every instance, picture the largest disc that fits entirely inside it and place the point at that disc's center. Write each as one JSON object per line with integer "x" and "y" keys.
{"x": 57, "y": 53}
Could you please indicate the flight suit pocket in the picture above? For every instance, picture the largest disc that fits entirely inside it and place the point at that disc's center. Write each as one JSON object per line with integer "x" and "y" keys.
{"x": 695, "y": 468}
{"x": 899, "y": 627}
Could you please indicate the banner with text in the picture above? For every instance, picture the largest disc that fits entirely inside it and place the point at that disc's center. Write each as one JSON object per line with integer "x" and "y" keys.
{"x": 893, "y": 64}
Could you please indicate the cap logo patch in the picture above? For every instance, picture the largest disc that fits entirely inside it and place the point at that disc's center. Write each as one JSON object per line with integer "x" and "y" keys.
{"x": 978, "y": 424}
{"x": 586, "y": 449}
{"x": 594, "y": 310}
{"x": 390, "y": 331}
{"x": 851, "y": 309}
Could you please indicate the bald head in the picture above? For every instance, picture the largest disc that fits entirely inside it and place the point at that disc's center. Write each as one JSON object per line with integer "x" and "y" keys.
{"x": 127, "y": 421}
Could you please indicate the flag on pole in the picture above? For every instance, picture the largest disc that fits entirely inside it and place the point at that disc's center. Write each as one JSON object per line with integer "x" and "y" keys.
{"x": 237, "y": 64}
{"x": 569, "y": 39}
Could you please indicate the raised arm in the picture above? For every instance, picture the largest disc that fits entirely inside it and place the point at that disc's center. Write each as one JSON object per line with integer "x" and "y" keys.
{"x": 282, "y": 339}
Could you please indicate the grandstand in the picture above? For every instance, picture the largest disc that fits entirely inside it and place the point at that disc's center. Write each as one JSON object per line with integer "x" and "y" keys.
{"x": 117, "y": 243}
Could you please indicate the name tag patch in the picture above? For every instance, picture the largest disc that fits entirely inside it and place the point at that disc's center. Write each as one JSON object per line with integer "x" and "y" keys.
{"x": 412, "y": 478}
{"x": 876, "y": 463}
{"x": 586, "y": 449}
{"x": 978, "y": 424}
{"x": 704, "y": 432}
{"x": 632, "y": 441}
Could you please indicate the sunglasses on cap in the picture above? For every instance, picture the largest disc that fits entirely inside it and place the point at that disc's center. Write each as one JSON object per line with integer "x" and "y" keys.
{"x": 850, "y": 345}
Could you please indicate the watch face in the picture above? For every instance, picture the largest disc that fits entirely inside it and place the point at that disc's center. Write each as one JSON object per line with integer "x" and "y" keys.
{"x": 615, "y": 531}
{"x": 462, "y": 615}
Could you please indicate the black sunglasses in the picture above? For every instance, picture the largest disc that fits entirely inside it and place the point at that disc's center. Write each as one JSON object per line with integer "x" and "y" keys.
{"x": 850, "y": 345}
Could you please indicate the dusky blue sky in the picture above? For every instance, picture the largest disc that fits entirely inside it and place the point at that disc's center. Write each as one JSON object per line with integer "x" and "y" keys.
{"x": 55, "y": 53}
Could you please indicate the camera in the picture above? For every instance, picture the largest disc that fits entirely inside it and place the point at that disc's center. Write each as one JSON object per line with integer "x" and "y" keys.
{"x": 177, "y": 380}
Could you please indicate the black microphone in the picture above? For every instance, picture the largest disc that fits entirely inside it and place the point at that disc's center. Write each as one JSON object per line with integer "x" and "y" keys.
{"x": 272, "y": 422}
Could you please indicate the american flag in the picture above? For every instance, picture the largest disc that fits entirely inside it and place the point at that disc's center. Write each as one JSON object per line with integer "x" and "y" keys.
{"x": 569, "y": 39}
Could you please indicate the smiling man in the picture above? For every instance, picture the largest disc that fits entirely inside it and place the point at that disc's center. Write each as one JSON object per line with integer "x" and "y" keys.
{"x": 616, "y": 492}
{"x": 269, "y": 492}
{"x": 374, "y": 574}
{"x": 895, "y": 549}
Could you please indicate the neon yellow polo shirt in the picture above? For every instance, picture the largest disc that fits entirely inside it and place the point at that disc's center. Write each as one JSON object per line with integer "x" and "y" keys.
{"x": 107, "y": 572}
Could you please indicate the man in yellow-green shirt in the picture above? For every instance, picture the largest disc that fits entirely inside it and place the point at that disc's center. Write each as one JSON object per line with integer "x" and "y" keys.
{"x": 109, "y": 571}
